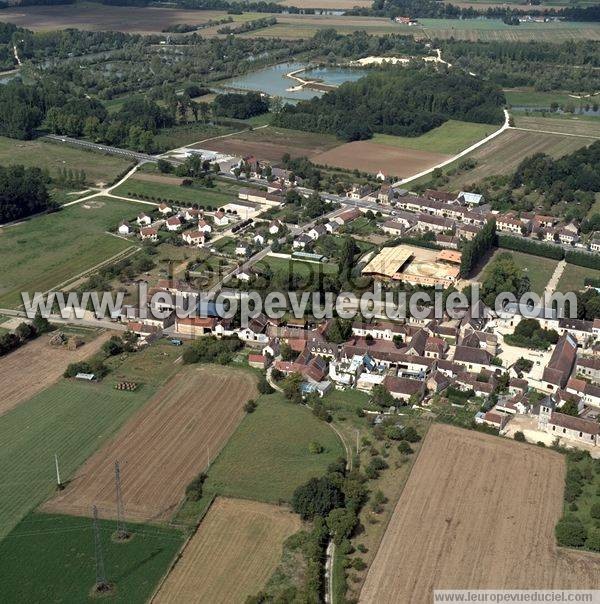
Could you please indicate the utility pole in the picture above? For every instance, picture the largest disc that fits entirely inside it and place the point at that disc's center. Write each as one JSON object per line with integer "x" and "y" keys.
{"x": 122, "y": 532}
{"x": 59, "y": 484}
{"x": 102, "y": 584}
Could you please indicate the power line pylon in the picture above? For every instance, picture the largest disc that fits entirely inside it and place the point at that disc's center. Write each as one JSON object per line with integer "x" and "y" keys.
{"x": 102, "y": 584}
{"x": 122, "y": 532}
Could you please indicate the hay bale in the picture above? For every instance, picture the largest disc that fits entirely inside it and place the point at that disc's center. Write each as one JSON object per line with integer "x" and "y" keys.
{"x": 74, "y": 343}
{"x": 58, "y": 339}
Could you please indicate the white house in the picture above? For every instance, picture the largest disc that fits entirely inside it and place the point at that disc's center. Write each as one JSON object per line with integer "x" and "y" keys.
{"x": 192, "y": 214}
{"x": 259, "y": 239}
{"x": 149, "y": 233}
{"x": 143, "y": 220}
{"x": 317, "y": 231}
{"x": 241, "y": 249}
{"x": 204, "y": 226}
{"x": 220, "y": 218}
{"x": 301, "y": 242}
{"x": 124, "y": 228}
{"x": 274, "y": 227}
{"x": 193, "y": 238}
{"x": 164, "y": 209}
{"x": 173, "y": 223}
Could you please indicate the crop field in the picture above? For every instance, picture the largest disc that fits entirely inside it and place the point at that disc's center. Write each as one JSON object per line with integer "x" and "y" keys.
{"x": 98, "y": 168}
{"x": 163, "y": 447}
{"x": 33, "y": 367}
{"x": 208, "y": 198}
{"x": 572, "y": 125}
{"x": 268, "y": 456}
{"x": 495, "y": 29}
{"x": 232, "y": 555}
{"x": 273, "y": 142}
{"x": 49, "y": 558}
{"x": 327, "y": 4}
{"x": 491, "y": 503}
{"x": 573, "y": 278}
{"x": 504, "y": 153}
{"x": 187, "y": 134}
{"x": 371, "y": 156}
{"x": 95, "y": 17}
{"x": 71, "y": 419}
{"x": 49, "y": 250}
{"x": 450, "y": 138}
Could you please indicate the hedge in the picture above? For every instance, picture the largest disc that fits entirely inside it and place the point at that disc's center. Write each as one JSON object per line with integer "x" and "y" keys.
{"x": 529, "y": 246}
{"x": 583, "y": 259}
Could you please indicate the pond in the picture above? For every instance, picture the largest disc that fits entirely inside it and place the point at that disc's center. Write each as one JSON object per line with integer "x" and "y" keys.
{"x": 273, "y": 81}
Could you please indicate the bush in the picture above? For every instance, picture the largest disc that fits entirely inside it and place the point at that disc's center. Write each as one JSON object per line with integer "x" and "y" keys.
{"x": 250, "y": 406}
{"x": 570, "y": 532}
{"x": 263, "y": 385}
{"x": 317, "y": 497}
{"x": 519, "y": 436}
{"x": 411, "y": 435}
{"x": 595, "y": 511}
{"x": 194, "y": 490}
{"x": 315, "y": 448}
{"x": 593, "y": 540}
{"x": 405, "y": 448}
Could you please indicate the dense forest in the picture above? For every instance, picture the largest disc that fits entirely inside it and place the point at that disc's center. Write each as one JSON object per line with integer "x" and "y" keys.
{"x": 544, "y": 65}
{"x": 400, "y": 101}
{"x": 22, "y": 192}
{"x": 240, "y": 106}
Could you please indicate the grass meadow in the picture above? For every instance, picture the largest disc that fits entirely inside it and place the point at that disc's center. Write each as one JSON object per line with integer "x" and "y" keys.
{"x": 50, "y": 558}
{"x": 450, "y": 138}
{"x": 267, "y": 457}
{"x": 573, "y": 278}
{"x": 54, "y": 156}
{"x": 208, "y": 198}
{"x": 48, "y": 250}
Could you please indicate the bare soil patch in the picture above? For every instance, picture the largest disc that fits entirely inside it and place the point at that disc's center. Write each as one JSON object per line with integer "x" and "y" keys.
{"x": 478, "y": 512}
{"x": 33, "y": 367}
{"x": 372, "y": 157}
{"x": 272, "y": 143}
{"x": 233, "y": 554}
{"x": 96, "y": 17}
{"x": 163, "y": 447}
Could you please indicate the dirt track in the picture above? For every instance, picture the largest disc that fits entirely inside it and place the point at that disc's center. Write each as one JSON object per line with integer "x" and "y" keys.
{"x": 33, "y": 367}
{"x": 233, "y": 554}
{"x": 478, "y": 512}
{"x": 163, "y": 447}
{"x": 372, "y": 157}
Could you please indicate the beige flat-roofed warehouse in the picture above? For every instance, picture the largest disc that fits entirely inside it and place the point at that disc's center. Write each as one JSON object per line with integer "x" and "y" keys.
{"x": 388, "y": 262}
{"x": 415, "y": 265}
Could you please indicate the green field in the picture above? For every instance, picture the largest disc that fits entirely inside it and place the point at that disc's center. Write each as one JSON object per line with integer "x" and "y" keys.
{"x": 72, "y": 419}
{"x": 208, "y": 198}
{"x": 496, "y": 29}
{"x": 52, "y": 156}
{"x": 538, "y": 269}
{"x": 573, "y": 277}
{"x": 50, "y": 558}
{"x": 450, "y": 138}
{"x": 49, "y": 250}
{"x": 528, "y": 97}
{"x": 268, "y": 457}
{"x": 284, "y": 267}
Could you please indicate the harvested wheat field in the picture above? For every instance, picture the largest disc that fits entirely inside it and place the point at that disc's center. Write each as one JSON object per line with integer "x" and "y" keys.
{"x": 369, "y": 156}
{"x": 163, "y": 447}
{"x": 478, "y": 512}
{"x": 33, "y": 367}
{"x": 233, "y": 554}
{"x": 272, "y": 143}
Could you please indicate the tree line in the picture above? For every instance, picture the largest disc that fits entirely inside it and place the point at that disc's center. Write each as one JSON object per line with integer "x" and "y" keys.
{"x": 23, "y": 191}
{"x": 399, "y": 101}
